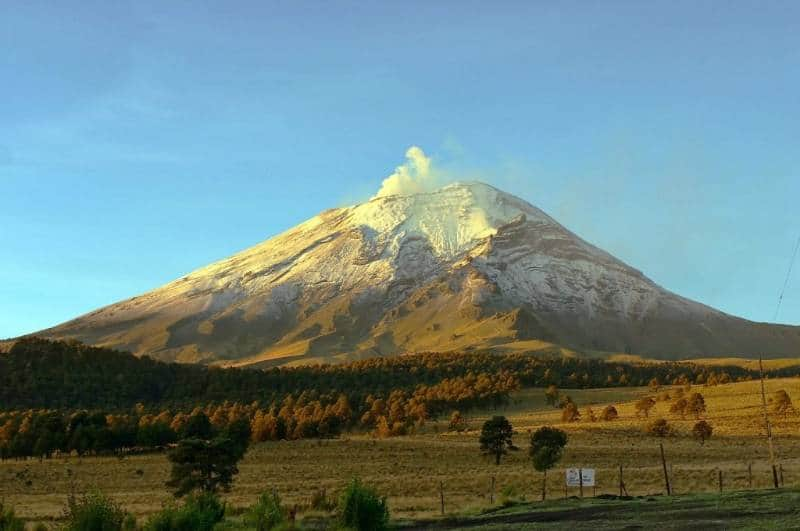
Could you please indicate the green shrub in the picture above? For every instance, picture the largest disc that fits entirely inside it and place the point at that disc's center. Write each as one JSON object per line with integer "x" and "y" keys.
{"x": 93, "y": 512}
{"x": 508, "y": 496}
{"x": 267, "y": 513}
{"x": 198, "y": 513}
{"x": 9, "y": 522}
{"x": 129, "y": 524}
{"x": 320, "y": 501}
{"x": 164, "y": 520}
{"x": 361, "y": 508}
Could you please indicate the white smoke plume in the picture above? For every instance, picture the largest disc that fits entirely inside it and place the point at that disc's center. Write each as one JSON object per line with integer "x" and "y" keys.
{"x": 413, "y": 177}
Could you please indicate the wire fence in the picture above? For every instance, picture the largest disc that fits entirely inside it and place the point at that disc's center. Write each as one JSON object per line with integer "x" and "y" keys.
{"x": 622, "y": 481}
{"x": 682, "y": 479}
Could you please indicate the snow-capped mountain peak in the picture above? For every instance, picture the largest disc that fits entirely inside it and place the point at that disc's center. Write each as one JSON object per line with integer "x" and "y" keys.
{"x": 461, "y": 266}
{"x": 452, "y": 219}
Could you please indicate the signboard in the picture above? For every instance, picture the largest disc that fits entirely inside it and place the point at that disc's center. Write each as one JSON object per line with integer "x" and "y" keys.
{"x": 574, "y": 476}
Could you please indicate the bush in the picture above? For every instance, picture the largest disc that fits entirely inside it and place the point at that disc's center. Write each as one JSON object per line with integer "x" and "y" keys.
{"x": 457, "y": 422}
{"x": 199, "y": 513}
{"x": 570, "y": 413}
{"x": 696, "y": 405}
{"x": 782, "y": 402}
{"x": 679, "y": 407}
{"x": 644, "y": 405}
{"x": 702, "y": 431}
{"x": 9, "y": 522}
{"x": 267, "y": 513}
{"x": 609, "y": 413}
{"x": 552, "y": 395}
{"x": 361, "y": 508}
{"x": 94, "y": 512}
{"x": 321, "y": 502}
{"x": 659, "y": 428}
{"x": 508, "y": 496}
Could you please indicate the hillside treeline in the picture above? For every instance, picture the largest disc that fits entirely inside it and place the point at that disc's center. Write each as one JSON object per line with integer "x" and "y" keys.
{"x": 66, "y": 397}
{"x": 42, "y": 433}
{"x": 38, "y": 373}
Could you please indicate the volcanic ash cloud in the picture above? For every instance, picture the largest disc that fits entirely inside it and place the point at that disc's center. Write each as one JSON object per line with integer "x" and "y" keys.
{"x": 413, "y": 177}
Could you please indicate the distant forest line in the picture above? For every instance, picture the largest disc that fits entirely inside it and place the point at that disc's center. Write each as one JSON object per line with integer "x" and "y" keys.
{"x": 58, "y": 397}
{"x": 40, "y": 373}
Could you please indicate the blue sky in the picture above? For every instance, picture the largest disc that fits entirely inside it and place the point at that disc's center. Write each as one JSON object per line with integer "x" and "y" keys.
{"x": 141, "y": 140}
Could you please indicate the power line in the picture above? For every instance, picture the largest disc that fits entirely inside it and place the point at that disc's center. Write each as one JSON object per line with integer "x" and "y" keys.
{"x": 786, "y": 280}
{"x": 767, "y": 424}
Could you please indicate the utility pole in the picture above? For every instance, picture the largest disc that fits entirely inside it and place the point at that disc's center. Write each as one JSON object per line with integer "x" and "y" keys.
{"x": 767, "y": 424}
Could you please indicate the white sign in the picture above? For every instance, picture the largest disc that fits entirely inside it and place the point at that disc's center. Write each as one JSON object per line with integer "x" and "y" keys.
{"x": 576, "y": 476}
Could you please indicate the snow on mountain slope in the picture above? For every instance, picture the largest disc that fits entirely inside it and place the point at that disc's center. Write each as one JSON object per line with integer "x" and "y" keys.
{"x": 464, "y": 266}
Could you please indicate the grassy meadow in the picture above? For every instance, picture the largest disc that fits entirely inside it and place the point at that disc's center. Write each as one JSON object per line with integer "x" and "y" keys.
{"x": 409, "y": 469}
{"x": 753, "y": 509}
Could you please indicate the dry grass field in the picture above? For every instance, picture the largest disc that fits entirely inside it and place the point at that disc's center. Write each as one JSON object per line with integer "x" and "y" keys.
{"x": 409, "y": 469}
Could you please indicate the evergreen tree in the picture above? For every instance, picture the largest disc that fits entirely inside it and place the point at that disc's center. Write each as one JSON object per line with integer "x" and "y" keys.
{"x": 496, "y": 438}
{"x": 547, "y": 447}
{"x": 204, "y": 465}
{"x": 198, "y": 426}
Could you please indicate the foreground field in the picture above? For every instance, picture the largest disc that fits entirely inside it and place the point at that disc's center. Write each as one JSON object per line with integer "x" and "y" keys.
{"x": 766, "y": 509}
{"x": 409, "y": 469}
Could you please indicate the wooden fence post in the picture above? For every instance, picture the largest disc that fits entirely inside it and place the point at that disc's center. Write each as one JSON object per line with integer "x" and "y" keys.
{"x": 620, "y": 480}
{"x": 491, "y": 494}
{"x": 441, "y": 495}
{"x": 580, "y": 481}
{"x": 781, "y": 471}
{"x": 720, "y": 479}
{"x": 750, "y": 475}
{"x": 664, "y": 465}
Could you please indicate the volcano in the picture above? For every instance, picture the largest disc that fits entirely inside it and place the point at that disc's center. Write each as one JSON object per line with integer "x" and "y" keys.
{"x": 465, "y": 266}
